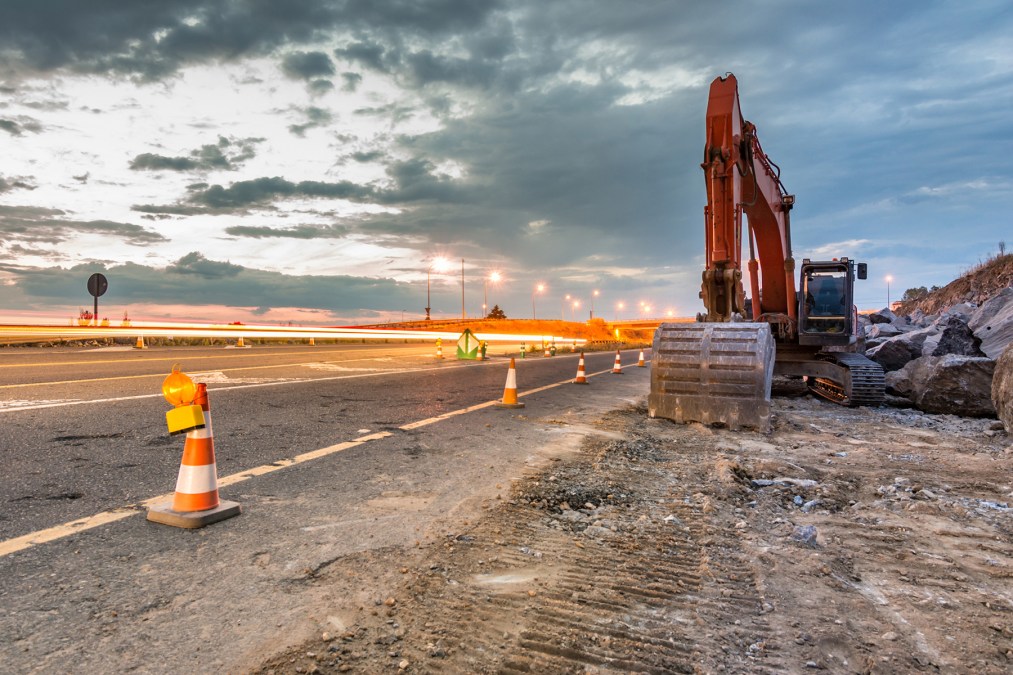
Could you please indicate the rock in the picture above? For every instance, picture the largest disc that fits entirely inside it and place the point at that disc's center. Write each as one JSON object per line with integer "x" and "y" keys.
{"x": 883, "y": 316}
{"x": 950, "y": 384}
{"x": 992, "y": 323}
{"x": 883, "y": 330}
{"x": 895, "y": 353}
{"x": 1002, "y": 388}
{"x": 805, "y": 535}
{"x": 954, "y": 337}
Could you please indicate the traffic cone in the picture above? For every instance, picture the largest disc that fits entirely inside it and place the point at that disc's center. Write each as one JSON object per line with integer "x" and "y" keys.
{"x": 640, "y": 363}
{"x": 196, "y": 502}
{"x": 439, "y": 349}
{"x": 510, "y": 391}
{"x": 581, "y": 376}
{"x": 313, "y": 342}
{"x": 617, "y": 369}
{"x": 140, "y": 343}
{"x": 240, "y": 344}
{"x": 547, "y": 350}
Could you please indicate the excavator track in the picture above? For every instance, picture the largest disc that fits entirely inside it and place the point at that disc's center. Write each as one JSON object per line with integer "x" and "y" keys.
{"x": 863, "y": 385}
{"x": 713, "y": 373}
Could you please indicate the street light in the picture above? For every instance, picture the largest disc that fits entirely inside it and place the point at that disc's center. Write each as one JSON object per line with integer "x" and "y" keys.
{"x": 594, "y": 294}
{"x": 619, "y": 307}
{"x": 463, "y": 315}
{"x": 438, "y": 264}
{"x": 888, "y": 280}
{"x": 576, "y": 304}
{"x": 562, "y": 307}
{"x": 538, "y": 289}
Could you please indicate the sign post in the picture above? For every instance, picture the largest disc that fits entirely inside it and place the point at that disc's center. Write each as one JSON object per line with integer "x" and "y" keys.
{"x": 97, "y": 285}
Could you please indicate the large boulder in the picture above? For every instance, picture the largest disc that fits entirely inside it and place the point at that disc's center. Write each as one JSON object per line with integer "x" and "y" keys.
{"x": 1002, "y": 388}
{"x": 883, "y": 316}
{"x": 882, "y": 330}
{"x": 895, "y": 352}
{"x": 954, "y": 337}
{"x": 992, "y": 323}
{"x": 950, "y": 384}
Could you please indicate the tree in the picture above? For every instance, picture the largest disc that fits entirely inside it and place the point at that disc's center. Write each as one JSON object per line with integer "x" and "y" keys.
{"x": 915, "y": 293}
{"x": 496, "y": 313}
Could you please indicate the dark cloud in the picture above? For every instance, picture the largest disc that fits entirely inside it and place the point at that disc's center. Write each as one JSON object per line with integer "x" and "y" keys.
{"x": 34, "y": 224}
{"x": 318, "y": 87}
{"x": 152, "y": 39}
{"x": 295, "y": 232}
{"x": 195, "y": 263}
{"x": 227, "y": 154}
{"x": 368, "y": 54}
{"x": 351, "y": 81}
{"x": 315, "y": 117}
{"x": 307, "y": 65}
{"x": 15, "y": 183}
{"x": 198, "y": 280}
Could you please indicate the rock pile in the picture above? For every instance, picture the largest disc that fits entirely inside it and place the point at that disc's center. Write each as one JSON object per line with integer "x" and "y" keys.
{"x": 947, "y": 362}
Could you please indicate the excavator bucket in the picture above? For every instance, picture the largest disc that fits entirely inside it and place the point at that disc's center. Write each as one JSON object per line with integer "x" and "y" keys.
{"x": 713, "y": 373}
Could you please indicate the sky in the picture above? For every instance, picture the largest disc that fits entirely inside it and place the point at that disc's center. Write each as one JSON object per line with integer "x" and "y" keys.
{"x": 311, "y": 162}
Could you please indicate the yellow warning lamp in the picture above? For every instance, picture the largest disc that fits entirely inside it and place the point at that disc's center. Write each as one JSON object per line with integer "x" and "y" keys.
{"x": 180, "y": 391}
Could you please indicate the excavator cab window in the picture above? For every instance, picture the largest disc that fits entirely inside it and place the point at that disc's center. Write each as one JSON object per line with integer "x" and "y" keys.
{"x": 826, "y": 302}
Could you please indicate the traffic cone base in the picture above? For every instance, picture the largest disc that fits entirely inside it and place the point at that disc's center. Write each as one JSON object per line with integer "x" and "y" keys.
{"x": 164, "y": 513}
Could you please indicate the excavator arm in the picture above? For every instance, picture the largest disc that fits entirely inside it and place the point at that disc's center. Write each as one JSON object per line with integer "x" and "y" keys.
{"x": 741, "y": 179}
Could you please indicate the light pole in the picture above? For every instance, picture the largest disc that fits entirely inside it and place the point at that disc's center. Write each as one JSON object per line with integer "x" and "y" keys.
{"x": 538, "y": 289}
{"x": 888, "y": 280}
{"x": 562, "y": 307}
{"x": 573, "y": 311}
{"x": 594, "y": 294}
{"x": 619, "y": 308}
{"x": 462, "y": 289}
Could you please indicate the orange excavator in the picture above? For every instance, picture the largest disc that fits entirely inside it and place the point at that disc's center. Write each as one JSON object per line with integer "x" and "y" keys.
{"x": 720, "y": 369}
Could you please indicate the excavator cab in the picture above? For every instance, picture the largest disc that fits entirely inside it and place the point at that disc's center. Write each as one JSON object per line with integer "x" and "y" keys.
{"x": 826, "y": 314}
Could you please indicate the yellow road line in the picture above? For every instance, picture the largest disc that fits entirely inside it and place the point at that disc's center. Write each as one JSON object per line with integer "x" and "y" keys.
{"x": 82, "y": 524}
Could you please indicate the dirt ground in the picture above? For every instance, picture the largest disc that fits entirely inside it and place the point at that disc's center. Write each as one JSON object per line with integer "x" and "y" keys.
{"x": 845, "y": 541}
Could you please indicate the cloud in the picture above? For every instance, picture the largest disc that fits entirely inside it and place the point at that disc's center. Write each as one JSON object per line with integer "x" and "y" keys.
{"x": 15, "y": 183}
{"x": 21, "y": 125}
{"x": 315, "y": 117}
{"x": 197, "y": 282}
{"x": 44, "y": 225}
{"x": 228, "y": 154}
{"x": 294, "y": 232}
{"x": 307, "y": 65}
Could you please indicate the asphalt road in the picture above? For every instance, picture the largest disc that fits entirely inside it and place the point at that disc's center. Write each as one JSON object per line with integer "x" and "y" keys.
{"x": 329, "y": 449}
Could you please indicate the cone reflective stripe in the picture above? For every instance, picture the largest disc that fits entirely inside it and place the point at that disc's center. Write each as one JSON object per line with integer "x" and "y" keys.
{"x": 196, "y": 502}
{"x": 640, "y": 363}
{"x": 581, "y": 375}
{"x": 617, "y": 369}
{"x": 510, "y": 390}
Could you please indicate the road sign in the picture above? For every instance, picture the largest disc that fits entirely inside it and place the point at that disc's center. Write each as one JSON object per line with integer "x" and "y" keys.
{"x": 97, "y": 284}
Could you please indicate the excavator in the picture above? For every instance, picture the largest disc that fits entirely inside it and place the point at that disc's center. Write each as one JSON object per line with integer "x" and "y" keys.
{"x": 719, "y": 370}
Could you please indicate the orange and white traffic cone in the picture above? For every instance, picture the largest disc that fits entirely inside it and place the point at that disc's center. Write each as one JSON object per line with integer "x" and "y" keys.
{"x": 617, "y": 369}
{"x": 510, "y": 390}
{"x": 581, "y": 375}
{"x": 313, "y": 343}
{"x": 196, "y": 502}
{"x": 547, "y": 350}
{"x": 140, "y": 343}
{"x": 439, "y": 349}
{"x": 240, "y": 344}
{"x": 640, "y": 363}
